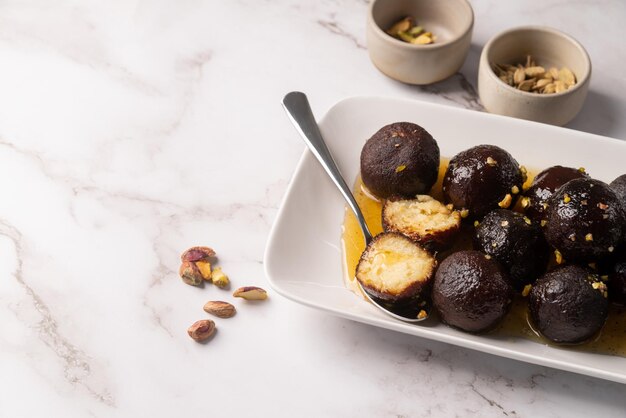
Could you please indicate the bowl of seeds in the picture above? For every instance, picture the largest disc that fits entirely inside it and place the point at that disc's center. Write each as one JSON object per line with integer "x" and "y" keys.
{"x": 535, "y": 73}
{"x": 419, "y": 41}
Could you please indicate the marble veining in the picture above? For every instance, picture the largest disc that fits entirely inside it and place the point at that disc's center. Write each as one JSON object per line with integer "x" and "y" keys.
{"x": 132, "y": 130}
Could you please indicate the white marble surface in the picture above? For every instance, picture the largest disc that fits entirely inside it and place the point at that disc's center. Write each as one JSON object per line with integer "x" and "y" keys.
{"x": 130, "y": 130}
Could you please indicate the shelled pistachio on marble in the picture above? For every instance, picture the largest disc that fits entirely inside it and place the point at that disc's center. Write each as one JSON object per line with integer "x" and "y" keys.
{"x": 220, "y": 309}
{"x": 534, "y": 78}
{"x": 219, "y": 279}
{"x": 407, "y": 30}
{"x": 250, "y": 293}
{"x": 201, "y": 330}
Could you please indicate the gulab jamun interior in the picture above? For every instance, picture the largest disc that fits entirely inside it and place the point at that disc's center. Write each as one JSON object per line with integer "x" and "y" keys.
{"x": 423, "y": 219}
{"x": 394, "y": 269}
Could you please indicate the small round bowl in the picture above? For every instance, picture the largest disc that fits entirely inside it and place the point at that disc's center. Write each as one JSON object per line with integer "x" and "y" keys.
{"x": 451, "y": 21}
{"x": 549, "y": 48}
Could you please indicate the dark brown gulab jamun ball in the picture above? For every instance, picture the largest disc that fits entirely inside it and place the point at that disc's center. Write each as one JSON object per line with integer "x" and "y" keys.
{"x": 617, "y": 278}
{"x": 516, "y": 242}
{"x": 584, "y": 220}
{"x": 619, "y": 187}
{"x": 482, "y": 178}
{"x": 471, "y": 291}
{"x": 568, "y": 304}
{"x": 401, "y": 159}
{"x": 535, "y": 199}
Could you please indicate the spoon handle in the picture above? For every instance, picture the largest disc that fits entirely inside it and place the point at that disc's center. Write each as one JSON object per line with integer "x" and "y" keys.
{"x": 299, "y": 111}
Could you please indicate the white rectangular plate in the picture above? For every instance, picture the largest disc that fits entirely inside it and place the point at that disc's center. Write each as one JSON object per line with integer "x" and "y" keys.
{"x": 303, "y": 259}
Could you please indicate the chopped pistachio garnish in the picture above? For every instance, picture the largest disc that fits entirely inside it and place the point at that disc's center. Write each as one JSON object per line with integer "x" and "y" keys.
{"x": 526, "y": 290}
{"x": 589, "y": 237}
{"x": 524, "y": 172}
{"x": 525, "y": 201}
{"x": 598, "y": 285}
{"x": 566, "y": 198}
{"x": 558, "y": 256}
{"x": 400, "y": 168}
{"x": 506, "y": 201}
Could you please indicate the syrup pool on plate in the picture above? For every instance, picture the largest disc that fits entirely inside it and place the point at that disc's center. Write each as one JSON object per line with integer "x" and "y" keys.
{"x": 610, "y": 340}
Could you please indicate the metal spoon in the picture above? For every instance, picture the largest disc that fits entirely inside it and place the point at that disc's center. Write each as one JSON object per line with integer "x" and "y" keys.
{"x": 299, "y": 111}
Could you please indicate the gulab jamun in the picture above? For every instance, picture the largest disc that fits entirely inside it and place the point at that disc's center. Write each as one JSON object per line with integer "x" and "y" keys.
{"x": 482, "y": 178}
{"x": 619, "y": 187}
{"x": 535, "y": 199}
{"x": 584, "y": 220}
{"x": 393, "y": 269}
{"x": 617, "y": 277}
{"x": 471, "y": 291}
{"x": 423, "y": 219}
{"x": 568, "y": 304}
{"x": 400, "y": 159}
{"x": 516, "y": 242}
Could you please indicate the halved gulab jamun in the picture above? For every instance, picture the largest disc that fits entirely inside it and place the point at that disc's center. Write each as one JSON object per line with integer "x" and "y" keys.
{"x": 422, "y": 219}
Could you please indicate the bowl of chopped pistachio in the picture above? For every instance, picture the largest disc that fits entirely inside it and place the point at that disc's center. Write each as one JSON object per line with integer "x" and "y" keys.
{"x": 419, "y": 41}
{"x": 535, "y": 73}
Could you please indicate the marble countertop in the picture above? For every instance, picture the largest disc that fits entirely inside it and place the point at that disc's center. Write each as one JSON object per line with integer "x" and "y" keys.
{"x": 131, "y": 130}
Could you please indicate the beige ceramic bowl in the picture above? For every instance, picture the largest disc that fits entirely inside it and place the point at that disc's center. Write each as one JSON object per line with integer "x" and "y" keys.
{"x": 549, "y": 48}
{"x": 451, "y": 21}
